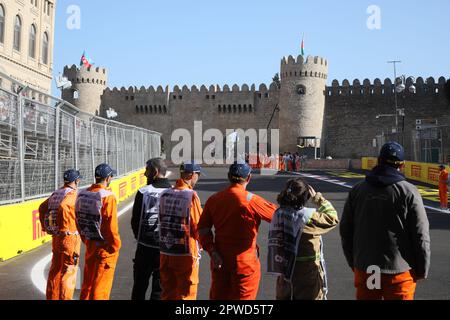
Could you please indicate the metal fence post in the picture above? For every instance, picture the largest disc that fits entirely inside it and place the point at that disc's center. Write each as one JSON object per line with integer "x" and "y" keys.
{"x": 106, "y": 143}
{"x": 143, "y": 148}
{"x": 57, "y": 120}
{"x": 117, "y": 151}
{"x": 75, "y": 149}
{"x": 21, "y": 144}
{"x": 91, "y": 133}
{"x": 132, "y": 149}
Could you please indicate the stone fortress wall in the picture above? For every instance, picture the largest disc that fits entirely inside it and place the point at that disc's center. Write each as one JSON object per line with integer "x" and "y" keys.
{"x": 351, "y": 111}
{"x": 342, "y": 115}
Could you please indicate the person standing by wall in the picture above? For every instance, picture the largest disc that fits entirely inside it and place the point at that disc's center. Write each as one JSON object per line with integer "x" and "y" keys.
{"x": 385, "y": 228}
{"x": 179, "y": 214}
{"x": 236, "y": 215}
{"x": 57, "y": 217}
{"x": 296, "y": 245}
{"x": 443, "y": 187}
{"x": 145, "y": 225}
{"x": 96, "y": 214}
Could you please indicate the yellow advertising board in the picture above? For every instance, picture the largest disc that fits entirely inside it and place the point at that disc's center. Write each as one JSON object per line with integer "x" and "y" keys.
{"x": 20, "y": 228}
{"x": 417, "y": 171}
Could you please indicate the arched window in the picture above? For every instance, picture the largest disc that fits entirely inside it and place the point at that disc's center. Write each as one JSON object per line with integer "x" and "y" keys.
{"x": 45, "y": 48}
{"x": 220, "y": 108}
{"x": 164, "y": 109}
{"x": 32, "y": 43}
{"x": 76, "y": 95}
{"x": 2, "y": 24}
{"x": 17, "y": 33}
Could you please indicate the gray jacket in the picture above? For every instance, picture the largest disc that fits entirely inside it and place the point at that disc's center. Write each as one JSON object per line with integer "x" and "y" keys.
{"x": 385, "y": 224}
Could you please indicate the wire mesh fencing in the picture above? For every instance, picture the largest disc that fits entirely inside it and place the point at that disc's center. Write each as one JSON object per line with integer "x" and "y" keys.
{"x": 40, "y": 139}
{"x": 431, "y": 144}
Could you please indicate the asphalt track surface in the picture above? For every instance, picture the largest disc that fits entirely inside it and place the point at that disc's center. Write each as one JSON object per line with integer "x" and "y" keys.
{"x": 15, "y": 274}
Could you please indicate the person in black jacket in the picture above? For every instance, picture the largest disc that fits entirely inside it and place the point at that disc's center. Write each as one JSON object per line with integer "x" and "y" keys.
{"x": 144, "y": 223}
{"x": 385, "y": 229}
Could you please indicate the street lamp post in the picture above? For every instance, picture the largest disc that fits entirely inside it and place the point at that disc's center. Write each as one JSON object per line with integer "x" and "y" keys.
{"x": 396, "y": 100}
{"x": 401, "y": 89}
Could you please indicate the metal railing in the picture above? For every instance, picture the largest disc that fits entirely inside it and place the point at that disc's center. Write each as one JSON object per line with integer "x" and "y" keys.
{"x": 40, "y": 139}
{"x": 432, "y": 144}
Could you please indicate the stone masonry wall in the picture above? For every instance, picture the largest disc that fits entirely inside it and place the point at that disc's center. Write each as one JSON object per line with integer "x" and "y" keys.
{"x": 351, "y": 110}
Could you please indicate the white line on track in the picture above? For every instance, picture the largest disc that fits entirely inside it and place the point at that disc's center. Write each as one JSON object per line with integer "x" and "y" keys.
{"x": 332, "y": 181}
{"x": 38, "y": 276}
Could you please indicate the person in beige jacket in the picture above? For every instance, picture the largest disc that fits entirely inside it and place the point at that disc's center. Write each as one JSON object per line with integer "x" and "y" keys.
{"x": 295, "y": 242}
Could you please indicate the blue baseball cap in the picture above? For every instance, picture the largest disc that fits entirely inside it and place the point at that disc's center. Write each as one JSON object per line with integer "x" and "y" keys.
{"x": 72, "y": 175}
{"x": 392, "y": 152}
{"x": 104, "y": 171}
{"x": 191, "y": 167}
{"x": 240, "y": 170}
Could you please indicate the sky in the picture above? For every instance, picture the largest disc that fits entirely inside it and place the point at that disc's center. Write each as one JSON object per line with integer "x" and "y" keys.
{"x": 179, "y": 42}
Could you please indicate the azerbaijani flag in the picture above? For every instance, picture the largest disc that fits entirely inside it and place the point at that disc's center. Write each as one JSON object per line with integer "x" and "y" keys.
{"x": 85, "y": 61}
{"x": 303, "y": 46}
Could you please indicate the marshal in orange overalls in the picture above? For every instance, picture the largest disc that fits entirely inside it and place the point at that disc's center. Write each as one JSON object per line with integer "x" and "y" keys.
{"x": 179, "y": 274}
{"x": 101, "y": 256}
{"x": 65, "y": 247}
{"x": 236, "y": 215}
{"x": 443, "y": 188}
{"x": 393, "y": 287}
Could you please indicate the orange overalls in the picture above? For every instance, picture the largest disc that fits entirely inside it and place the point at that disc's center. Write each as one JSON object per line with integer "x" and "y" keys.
{"x": 443, "y": 188}
{"x": 101, "y": 256}
{"x": 236, "y": 215}
{"x": 65, "y": 247}
{"x": 281, "y": 163}
{"x": 393, "y": 287}
{"x": 179, "y": 274}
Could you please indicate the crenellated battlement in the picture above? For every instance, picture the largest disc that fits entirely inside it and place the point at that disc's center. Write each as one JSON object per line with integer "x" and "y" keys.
{"x": 83, "y": 74}
{"x": 312, "y": 66}
{"x": 300, "y": 60}
{"x": 378, "y": 88}
{"x": 194, "y": 90}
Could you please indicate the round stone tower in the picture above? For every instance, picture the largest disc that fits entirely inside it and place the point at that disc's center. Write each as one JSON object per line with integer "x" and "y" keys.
{"x": 302, "y": 100}
{"x": 88, "y": 85}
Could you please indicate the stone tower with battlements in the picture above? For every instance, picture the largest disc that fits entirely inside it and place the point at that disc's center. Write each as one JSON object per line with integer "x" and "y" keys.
{"x": 302, "y": 99}
{"x": 88, "y": 85}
